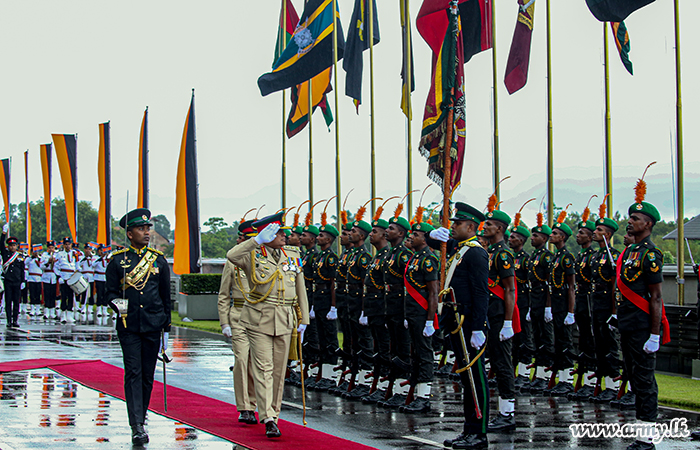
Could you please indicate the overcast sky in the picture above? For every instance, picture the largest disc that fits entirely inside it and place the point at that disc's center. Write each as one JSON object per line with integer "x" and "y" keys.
{"x": 70, "y": 65}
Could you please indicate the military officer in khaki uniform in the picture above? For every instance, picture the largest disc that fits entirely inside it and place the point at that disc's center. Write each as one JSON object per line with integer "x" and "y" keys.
{"x": 234, "y": 287}
{"x": 275, "y": 305}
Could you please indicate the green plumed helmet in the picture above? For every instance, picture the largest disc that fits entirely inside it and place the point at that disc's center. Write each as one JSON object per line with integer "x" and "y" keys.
{"x": 521, "y": 229}
{"x": 380, "y": 223}
{"x": 544, "y": 229}
{"x": 498, "y": 215}
{"x": 298, "y": 230}
{"x": 362, "y": 225}
{"x": 589, "y": 225}
{"x": 563, "y": 227}
{"x": 311, "y": 229}
{"x": 608, "y": 223}
{"x": 422, "y": 226}
{"x": 400, "y": 221}
{"x": 330, "y": 229}
{"x": 645, "y": 208}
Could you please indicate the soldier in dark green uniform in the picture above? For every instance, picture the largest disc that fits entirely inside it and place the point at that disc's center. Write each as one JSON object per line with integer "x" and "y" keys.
{"x": 523, "y": 347}
{"x": 603, "y": 264}
{"x": 640, "y": 310}
{"x": 312, "y": 349}
{"x": 562, "y": 298}
{"x": 421, "y": 281}
{"x": 501, "y": 315}
{"x": 540, "y": 313}
{"x": 582, "y": 310}
{"x": 361, "y": 336}
{"x": 341, "y": 302}
{"x": 325, "y": 266}
{"x": 141, "y": 275}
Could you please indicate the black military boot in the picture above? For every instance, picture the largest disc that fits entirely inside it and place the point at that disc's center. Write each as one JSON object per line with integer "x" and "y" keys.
{"x": 627, "y": 401}
{"x": 448, "y": 442}
{"x": 272, "y": 430}
{"x": 472, "y": 441}
{"x": 419, "y": 405}
{"x": 376, "y": 396}
{"x": 502, "y": 423}
{"x": 605, "y": 396}
{"x": 138, "y": 435}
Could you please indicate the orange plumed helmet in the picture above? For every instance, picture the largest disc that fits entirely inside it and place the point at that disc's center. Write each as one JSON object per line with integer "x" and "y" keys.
{"x": 602, "y": 209}
{"x": 640, "y": 189}
{"x": 562, "y": 215}
{"x": 324, "y": 216}
{"x": 363, "y": 209}
{"x": 343, "y": 212}
{"x": 380, "y": 210}
{"x": 587, "y": 211}
{"x": 518, "y": 215}
{"x": 399, "y": 207}
{"x": 246, "y": 213}
{"x": 493, "y": 199}
{"x": 309, "y": 215}
{"x": 296, "y": 215}
{"x": 540, "y": 216}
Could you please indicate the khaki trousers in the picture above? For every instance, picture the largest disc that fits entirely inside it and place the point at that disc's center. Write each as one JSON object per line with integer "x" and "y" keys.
{"x": 270, "y": 355}
{"x": 243, "y": 380}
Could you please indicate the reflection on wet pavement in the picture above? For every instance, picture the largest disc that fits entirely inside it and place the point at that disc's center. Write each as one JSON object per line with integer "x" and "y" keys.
{"x": 41, "y": 409}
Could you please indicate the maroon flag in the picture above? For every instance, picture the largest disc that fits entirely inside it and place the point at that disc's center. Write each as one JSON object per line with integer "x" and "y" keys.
{"x": 519, "y": 56}
{"x": 475, "y": 16}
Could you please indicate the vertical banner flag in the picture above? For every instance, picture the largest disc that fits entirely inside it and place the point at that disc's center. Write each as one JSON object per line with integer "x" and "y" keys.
{"x": 5, "y": 185}
{"x": 187, "y": 254}
{"x": 622, "y": 41}
{"x": 104, "y": 178}
{"x": 45, "y": 156}
{"x": 358, "y": 42}
{"x": 615, "y": 10}
{"x": 286, "y": 27}
{"x": 519, "y": 56}
{"x": 66, "y": 156}
{"x": 26, "y": 199}
{"x": 475, "y": 16}
{"x": 143, "y": 194}
{"x": 299, "y": 112}
{"x": 407, "y": 48}
{"x": 309, "y": 51}
{"x": 440, "y": 28}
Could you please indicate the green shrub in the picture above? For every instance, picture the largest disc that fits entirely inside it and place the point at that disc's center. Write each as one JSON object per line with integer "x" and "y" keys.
{"x": 200, "y": 283}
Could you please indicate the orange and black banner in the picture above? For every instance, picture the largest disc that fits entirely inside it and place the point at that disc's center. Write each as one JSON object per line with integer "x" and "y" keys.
{"x": 45, "y": 155}
{"x": 26, "y": 199}
{"x": 187, "y": 254}
{"x": 5, "y": 185}
{"x": 66, "y": 155}
{"x": 104, "y": 177}
{"x": 142, "y": 200}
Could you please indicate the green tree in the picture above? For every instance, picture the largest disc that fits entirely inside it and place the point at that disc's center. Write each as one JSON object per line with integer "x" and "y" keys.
{"x": 162, "y": 226}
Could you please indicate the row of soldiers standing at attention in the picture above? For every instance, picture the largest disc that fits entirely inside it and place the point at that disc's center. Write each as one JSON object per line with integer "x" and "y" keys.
{"x": 42, "y": 279}
{"x": 523, "y": 305}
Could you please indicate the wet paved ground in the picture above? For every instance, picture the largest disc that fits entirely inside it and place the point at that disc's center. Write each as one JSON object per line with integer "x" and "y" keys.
{"x": 40, "y": 409}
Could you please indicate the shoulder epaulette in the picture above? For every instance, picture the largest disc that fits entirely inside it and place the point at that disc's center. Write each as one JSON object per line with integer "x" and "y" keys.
{"x": 473, "y": 244}
{"x": 157, "y": 252}
{"x": 117, "y": 252}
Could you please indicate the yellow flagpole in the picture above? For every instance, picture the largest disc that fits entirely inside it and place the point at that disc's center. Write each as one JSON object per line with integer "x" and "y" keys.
{"x": 337, "y": 118}
{"x": 496, "y": 162}
{"x": 409, "y": 87}
{"x": 371, "y": 103}
{"x": 679, "y": 163}
{"x": 550, "y": 135}
{"x": 282, "y": 45}
{"x": 608, "y": 134}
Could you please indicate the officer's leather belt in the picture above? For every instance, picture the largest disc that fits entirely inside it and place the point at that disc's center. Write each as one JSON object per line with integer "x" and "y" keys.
{"x": 355, "y": 288}
{"x": 373, "y": 290}
{"x": 273, "y": 300}
{"x": 601, "y": 288}
{"x": 321, "y": 287}
{"x": 585, "y": 289}
{"x": 537, "y": 285}
{"x": 397, "y": 288}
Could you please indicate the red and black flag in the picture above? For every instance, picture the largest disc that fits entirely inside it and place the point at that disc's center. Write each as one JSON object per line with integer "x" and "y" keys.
{"x": 622, "y": 41}
{"x": 475, "y": 16}
{"x": 289, "y": 19}
{"x": 439, "y": 24}
{"x": 309, "y": 52}
{"x": 358, "y": 42}
{"x": 26, "y": 198}
{"x": 519, "y": 56}
{"x": 104, "y": 178}
{"x": 615, "y": 10}
{"x": 66, "y": 155}
{"x": 408, "y": 81}
{"x": 142, "y": 199}
{"x": 187, "y": 254}
{"x": 5, "y": 186}
{"x": 45, "y": 156}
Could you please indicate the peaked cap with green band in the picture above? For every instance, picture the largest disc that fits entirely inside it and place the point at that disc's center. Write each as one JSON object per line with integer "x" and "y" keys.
{"x": 422, "y": 226}
{"x": 311, "y": 229}
{"x": 608, "y": 223}
{"x": 466, "y": 212}
{"x": 400, "y": 221}
{"x": 521, "y": 229}
{"x": 500, "y": 216}
{"x": 136, "y": 218}
{"x": 563, "y": 227}
{"x": 645, "y": 208}
{"x": 544, "y": 229}
{"x": 330, "y": 229}
{"x": 381, "y": 223}
{"x": 362, "y": 225}
{"x": 589, "y": 225}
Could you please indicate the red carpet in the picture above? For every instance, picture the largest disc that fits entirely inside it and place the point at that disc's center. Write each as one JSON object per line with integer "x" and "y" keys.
{"x": 204, "y": 413}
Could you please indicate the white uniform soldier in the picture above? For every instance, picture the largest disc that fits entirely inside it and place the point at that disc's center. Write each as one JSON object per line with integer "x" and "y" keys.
{"x": 48, "y": 278}
{"x": 86, "y": 298}
{"x": 65, "y": 267}
{"x": 99, "y": 267}
{"x": 32, "y": 276}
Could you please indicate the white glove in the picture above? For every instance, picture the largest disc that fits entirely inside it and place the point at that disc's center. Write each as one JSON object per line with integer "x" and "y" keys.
{"x": 332, "y": 314}
{"x": 429, "y": 329}
{"x": 548, "y": 314}
{"x": 527, "y": 317}
{"x": 226, "y": 331}
{"x": 6, "y": 228}
{"x": 405, "y": 324}
{"x": 312, "y": 314}
{"x": 164, "y": 342}
{"x": 22, "y": 286}
{"x": 611, "y": 326}
{"x": 300, "y": 329}
{"x": 441, "y": 234}
{"x": 652, "y": 345}
{"x": 507, "y": 331}
{"x": 478, "y": 339}
{"x": 570, "y": 319}
{"x": 267, "y": 234}
{"x": 363, "y": 319}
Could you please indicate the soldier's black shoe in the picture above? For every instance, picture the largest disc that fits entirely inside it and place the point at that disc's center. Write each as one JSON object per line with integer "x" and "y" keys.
{"x": 374, "y": 397}
{"x": 561, "y": 389}
{"x": 272, "y": 430}
{"x": 627, "y": 401}
{"x": 639, "y": 445}
{"x": 248, "y": 417}
{"x": 338, "y": 390}
{"x": 454, "y": 376}
{"x": 138, "y": 435}
{"x": 444, "y": 371}
{"x": 309, "y": 383}
{"x": 472, "y": 441}
{"x": 502, "y": 423}
{"x": 537, "y": 386}
{"x": 394, "y": 402}
{"x": 583, "y": 393}
{"x": 360, "y": 391}
{"x": 324, "y": 384}
{"x": 521, "y": 380}
{"x": 449, "y": 442}
{"x": 695, "y": 435}
{"x": 605, "y": 396}
{"x": 419, "y": 405}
